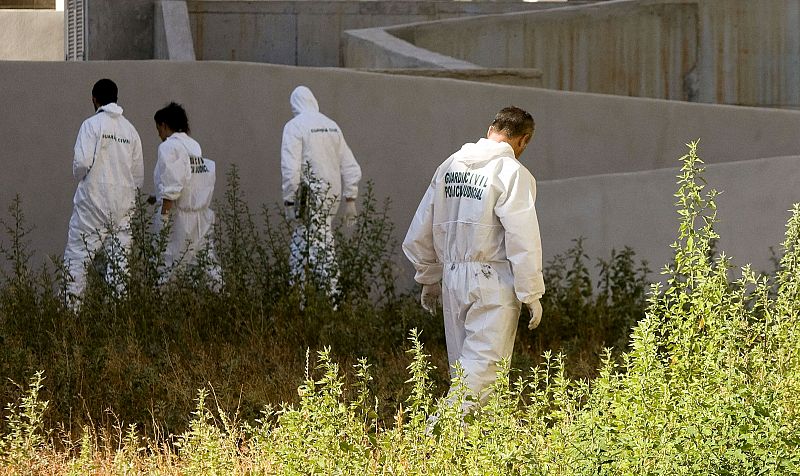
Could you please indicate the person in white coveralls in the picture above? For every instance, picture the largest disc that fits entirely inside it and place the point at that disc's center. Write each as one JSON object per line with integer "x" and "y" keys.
{"x": 108, "y": 165}
{"x": 475, "y": 245}
{"x": 318, "y": 171}
{"x": 184, "y": 185}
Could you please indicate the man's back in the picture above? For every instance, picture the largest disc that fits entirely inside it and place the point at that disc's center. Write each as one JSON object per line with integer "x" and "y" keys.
{"x": 108, "y": 161}
{"x": 479, "y": 208}
{"x": 469, "y": 185}
{"x": 314, "y": 139}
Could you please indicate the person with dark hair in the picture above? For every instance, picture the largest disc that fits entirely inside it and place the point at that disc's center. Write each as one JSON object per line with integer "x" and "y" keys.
{"x": 319, "y": 172}
{"x": 184, "y": 183}
{"x": 475, "y": 245}
{"x": 108, "y": 164}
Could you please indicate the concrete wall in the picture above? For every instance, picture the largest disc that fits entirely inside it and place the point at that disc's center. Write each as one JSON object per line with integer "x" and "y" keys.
{"x": 637, "y": 209}
{"x": 307, "y": 33}
{"x": 119, "y": 29}
{"x": 750, "y": 52}
{"x": 643, "y": 49}
{"x": 173, "y": 36}
{"x": 744, "y": 52}
{"x": 31, "y": 35}
{"x": 284, "y": 32}
{"x": 400, "y": 128}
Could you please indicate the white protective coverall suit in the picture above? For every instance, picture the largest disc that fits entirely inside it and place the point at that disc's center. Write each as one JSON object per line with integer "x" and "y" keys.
{"x": 477, "y": 232}
{"x": 185, "y": 177}
{"x": 108, "y": 163}
{"x": 313, "y": 143}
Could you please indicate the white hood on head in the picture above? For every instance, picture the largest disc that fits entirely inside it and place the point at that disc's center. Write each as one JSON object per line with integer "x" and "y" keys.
{"x": 111, "y": 108}
{"x": 303, "y": 100}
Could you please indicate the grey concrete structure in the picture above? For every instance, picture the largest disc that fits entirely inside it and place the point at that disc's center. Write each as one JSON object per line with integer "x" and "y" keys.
{"x": 120, "y": 29}
{"x": 717, "y": 51}
{"x": 307, "y": 33}
{"x": 275, "y": 31}
{"x": 31, "y": 35}
{"x": 636, "y": 209}
{"x": 173, "y": 37}
{"x": 400, "y": 128}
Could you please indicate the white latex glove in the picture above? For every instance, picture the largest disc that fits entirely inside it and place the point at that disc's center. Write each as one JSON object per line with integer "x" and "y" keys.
{"x": 535, "y": 309}
{"x": 350, "y": 213}
{"x": 431, "y": 297}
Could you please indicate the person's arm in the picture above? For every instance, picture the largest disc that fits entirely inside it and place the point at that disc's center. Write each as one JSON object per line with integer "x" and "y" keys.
{"x": 517, "y": 212}
{"x": 176, "y": 172}
{"x": 291, "y": 162}
{"x": 351, "y": 171}
{"x": 418, "y": 243}
{"x": 138, "y": 162}
{"x": 85, "y": 149}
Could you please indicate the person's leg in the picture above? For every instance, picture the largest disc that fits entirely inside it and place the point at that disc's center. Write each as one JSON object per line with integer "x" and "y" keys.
{"x": 328, "y": 269}
{"x": 490, "y": 326}
{"x": 81, "y": 246}
{"x": 298, "y": 255}
{"x": 118, "y": 246}
{"x": 455, "y": 304}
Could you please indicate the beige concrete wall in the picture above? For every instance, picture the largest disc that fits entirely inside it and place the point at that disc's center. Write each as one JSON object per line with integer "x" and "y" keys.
{"x": 400, "y": 128}
{"x": 636, "y": 209}
{"x": 31, "y": 35}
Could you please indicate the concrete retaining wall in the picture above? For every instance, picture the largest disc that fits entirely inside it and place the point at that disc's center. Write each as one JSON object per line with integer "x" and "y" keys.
{"x": 31, "y": 35}
{"x": 307, "y": 33}
{"x": 636, "y": 209}
{"x": 400, "y": 128}
{"x": 717, "y": 51}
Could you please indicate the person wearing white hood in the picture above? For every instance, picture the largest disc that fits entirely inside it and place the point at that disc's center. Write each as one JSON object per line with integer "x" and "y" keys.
{"x": 184, "y": 183}
{"x": 318, "y": 170}
{"x": 475, "y": 244}
{"x": 108, "y": 164}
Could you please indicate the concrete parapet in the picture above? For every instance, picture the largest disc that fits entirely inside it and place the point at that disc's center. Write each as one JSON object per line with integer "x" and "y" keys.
{"x": 375, "y": 48}
{"x": 173, "y": 36}
{"x": 36, "y": 35}
{"x": 527, "y": 77}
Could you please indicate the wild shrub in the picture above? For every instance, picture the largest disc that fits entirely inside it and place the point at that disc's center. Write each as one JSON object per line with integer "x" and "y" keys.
{"x": 707, "y": 385}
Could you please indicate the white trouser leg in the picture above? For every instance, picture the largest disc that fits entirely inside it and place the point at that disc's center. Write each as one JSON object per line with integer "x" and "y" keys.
{"x": 312, "y": 249}
{"x": 81, "y": 246}
{"x": 481, "y": 314}
{"x": 118, "y": 245}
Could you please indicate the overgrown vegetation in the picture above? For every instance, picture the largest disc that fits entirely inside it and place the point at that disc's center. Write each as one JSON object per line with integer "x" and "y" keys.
{"x": 708, "y": 383}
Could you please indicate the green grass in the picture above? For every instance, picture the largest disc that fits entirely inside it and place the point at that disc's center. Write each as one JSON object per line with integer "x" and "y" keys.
{"x": 707, "y": 383}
